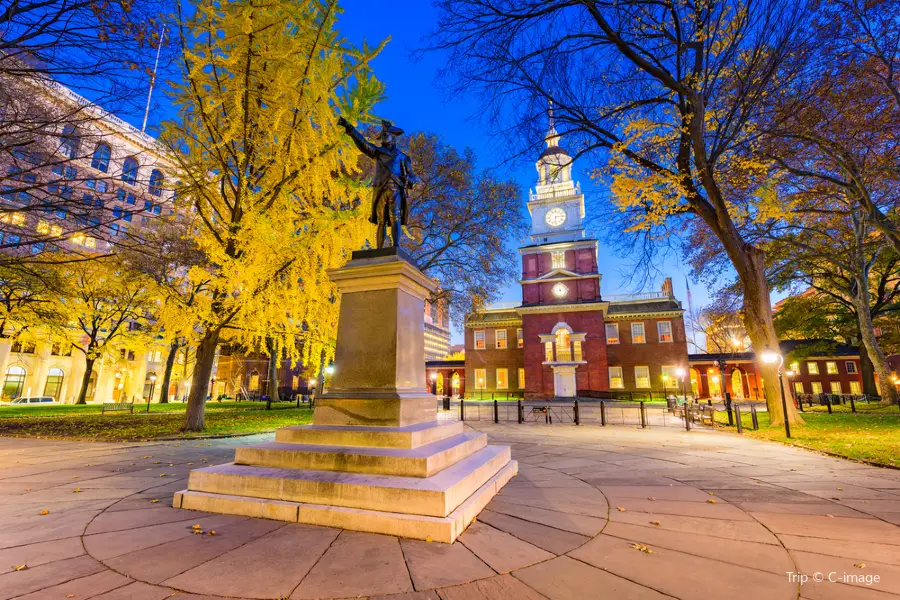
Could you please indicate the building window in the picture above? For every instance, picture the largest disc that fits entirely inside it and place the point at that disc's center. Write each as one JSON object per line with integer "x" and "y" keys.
{"x": 798, "y": 387}
{"x": 520, "y": 338}
{"x": 669, "y": 376}
{"x": 831, "y": 367}
{"x": 563, "y": 350}
{"x": 795, "y": 367}
{"x": 612, "y": 333}
{"x": 521, "y": 378}
{"x": 500, "y": 339}
{"x": 576, "y": 350}
{"x": 836, "y": 387}
{"x": 156, "y": 182}
{"x": 851, "y": 367}
{"x": 816, "y": 387}
{"x": 813, "y": 368}
{"x": 129, "y": 171}
{"x": 100, "y": 160}
{"x": 479, "y": 339}
{"x": 253, "y": 384}
{"x": 637, "y": 333}
{"x": 855, "y": 388}
{"x": 615, "y": 378}
{"x": 502, "y": 379}
{"x": 548, "y": 351}
{"x": 54, "y": 382}
{"x": 642, "y": 377}
{"x": 15, "y": 379}
{"x": 68, "y": 146}
{"x": 664, "y": 331}
{"x": 559, "y": 259}
{"x": 479, "y": 379}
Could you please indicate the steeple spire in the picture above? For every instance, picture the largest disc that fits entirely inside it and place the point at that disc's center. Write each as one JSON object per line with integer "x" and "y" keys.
{"x": 552, "y": 138}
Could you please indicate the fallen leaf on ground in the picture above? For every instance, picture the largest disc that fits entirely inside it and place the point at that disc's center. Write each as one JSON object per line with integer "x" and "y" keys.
{"x": 651, "y": 498}
{"x": 76, "y": 491}
{"x": 620, "y": 509}
{"x": 162, "y": 474}
{"x": 642, "y": 548}
{"x": 154, "y": 501}
{"x": 44, "y": 512}
{"x": 213, "y": 532}
{"x": 860, "y": 565}
{"x": 654, "y": 523}
{"x": 19, "y": 567}
{"x": 830, "y": 516}
{"x": 195, "y": 526}
{"x": 75, "y": 476}
{"x": 711, "y": 501}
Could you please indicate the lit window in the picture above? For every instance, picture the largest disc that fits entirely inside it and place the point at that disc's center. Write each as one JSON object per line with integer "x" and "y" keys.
{"x": 479, "y": 339}
{"x": 836, "y": 387}
{"x": 670, "y": 376}
{"x": 56, "y": 230}
{"x": 100, "y": 160}
{"x": 798, "y": 387}
{"x": 563, "y": 349}
{"x": 664, "y": 330}
{"x": 17, "y": 219}
{"x": 795, "y": 367}
{"x": 851, "y": 367}
{"x": 615, "y": 378}
{"x": 813, "y": 370}
{"x": 559, "y": 259}
{"x": 500, "y": 339}
{"x": 520, "y": 338}
{"x": 831, "y": 367}
{"x": 637, "y": 333}
{"x": 521, "y": 378}
{"x": 642, "y": 377}
{"x": 576, "y": 350}
{"x": 502, "y": 379}
{"x": 816, "y": 387}
{"x": 479, "y": 379}
{"x": 548, "y": 351}
{"x": 612, "y": 333}
{"x": 43, "y": 227}
{"x": 855, "y": 388}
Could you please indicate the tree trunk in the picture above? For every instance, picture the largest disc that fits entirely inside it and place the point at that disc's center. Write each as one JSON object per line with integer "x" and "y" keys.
{"x": 272, "y": 384}
{"x": 167, "y": 374}
{"x": 206, "y": 354}
{"x": 867, "y": 333}
{"x": 866, "y": 370}
{"x": 757, "y": 308}
{"x": 85, "y": 380}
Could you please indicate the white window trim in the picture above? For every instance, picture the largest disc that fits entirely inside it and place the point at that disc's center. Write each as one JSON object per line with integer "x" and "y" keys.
{"x": 814, "y": 365}
{"x": 621, "y": 377}
{"x": 475, "y": 339}
{"x": 521, "y": 375}
{"x": 643, "y": 332}
{"x": 638, "y": 378}
{"x": 831, "y": 385}
{"x": 497, "y": 378}
{"x": 497, "y": 338}
{"x": 837, "y": 371}
{"x": 659, "y": 333}
{"x": 850, "y": 367}
{"x": 483, "y": 378}
{"x": 618, "y": 337}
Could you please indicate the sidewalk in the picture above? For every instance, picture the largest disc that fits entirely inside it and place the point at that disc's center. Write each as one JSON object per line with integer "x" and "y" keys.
{"x": 613, "y": 512}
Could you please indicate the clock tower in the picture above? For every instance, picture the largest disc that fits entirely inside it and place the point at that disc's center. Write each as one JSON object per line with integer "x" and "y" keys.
{"x": 561, "y": 306}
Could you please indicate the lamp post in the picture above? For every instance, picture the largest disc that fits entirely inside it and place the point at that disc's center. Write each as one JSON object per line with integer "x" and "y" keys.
{"x": 311, "y": 384}
{"x": 152, "y": 387}
{"x": 770, "y": 357}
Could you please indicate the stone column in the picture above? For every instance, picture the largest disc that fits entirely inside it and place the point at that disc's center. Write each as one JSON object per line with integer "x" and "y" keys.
{"x": 379, "y": 376}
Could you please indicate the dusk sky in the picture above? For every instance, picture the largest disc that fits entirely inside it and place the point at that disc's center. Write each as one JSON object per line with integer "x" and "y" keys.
{"x": 417, "y": 102}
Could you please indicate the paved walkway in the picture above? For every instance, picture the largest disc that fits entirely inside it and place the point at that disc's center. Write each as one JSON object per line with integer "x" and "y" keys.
{"x": 594, "y": 513}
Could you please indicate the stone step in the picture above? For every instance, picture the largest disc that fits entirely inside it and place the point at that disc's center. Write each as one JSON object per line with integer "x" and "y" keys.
{"x": 436, "y": 529}
{"x": 435, "y": 496}
{"x": 422, "y": 461}
{"x": 410, "y": 436}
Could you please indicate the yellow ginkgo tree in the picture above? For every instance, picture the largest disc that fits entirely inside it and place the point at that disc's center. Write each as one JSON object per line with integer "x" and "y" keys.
{"x": 266, "y": 175}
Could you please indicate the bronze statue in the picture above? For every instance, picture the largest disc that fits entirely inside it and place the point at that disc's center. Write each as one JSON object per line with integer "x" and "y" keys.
{"x": 393, "y": 176}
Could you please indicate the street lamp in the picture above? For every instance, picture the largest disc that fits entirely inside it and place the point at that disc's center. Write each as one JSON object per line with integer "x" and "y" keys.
{"x": 152, "y": 387}
{"x": 770, "y": 357}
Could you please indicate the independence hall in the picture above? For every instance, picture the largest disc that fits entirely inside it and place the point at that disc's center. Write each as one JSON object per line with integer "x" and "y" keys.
{"x": 566, "y": 339}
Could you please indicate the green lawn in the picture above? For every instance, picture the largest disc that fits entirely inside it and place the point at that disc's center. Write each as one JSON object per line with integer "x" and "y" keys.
{"x": 872, "y": 434}
{"x": 68, "y": 410}
{"x": 82, "y": 424}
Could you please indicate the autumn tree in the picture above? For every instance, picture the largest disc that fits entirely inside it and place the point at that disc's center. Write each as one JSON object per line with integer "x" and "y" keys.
{"x": 661, "y": 94}
{"x": 107, "y": 310}
{"x": 266, "y": 171}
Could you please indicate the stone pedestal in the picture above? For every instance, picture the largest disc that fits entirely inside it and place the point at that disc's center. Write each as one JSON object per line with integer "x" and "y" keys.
{"x": 375, "y": 458}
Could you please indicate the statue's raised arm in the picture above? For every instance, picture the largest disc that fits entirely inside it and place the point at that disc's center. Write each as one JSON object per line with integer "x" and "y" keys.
{"x": 364, "y": 145}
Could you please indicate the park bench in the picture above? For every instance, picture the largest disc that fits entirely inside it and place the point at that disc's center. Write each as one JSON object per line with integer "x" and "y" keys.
{"x": 707, "y": 415}
{"x": 117, "y": 406}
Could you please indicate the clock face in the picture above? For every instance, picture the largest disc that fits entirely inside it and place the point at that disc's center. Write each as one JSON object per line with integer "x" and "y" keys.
{"x": 560, "y": 290}
{"x": 555, "y": 217}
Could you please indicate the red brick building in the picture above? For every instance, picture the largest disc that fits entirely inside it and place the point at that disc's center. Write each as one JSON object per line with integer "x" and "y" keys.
{"x": 565, "y": 338}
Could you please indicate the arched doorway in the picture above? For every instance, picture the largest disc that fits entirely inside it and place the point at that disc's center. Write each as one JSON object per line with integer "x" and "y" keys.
{"x": 53, "y": 386}
{"x": 15, "y": 380}
{"x": 695, "y": 382}
{"x": 715, "y": 383}
{"x": 454, "y": 384}
{"x": 440, "y": 384}
{"x": 737, "y": 384}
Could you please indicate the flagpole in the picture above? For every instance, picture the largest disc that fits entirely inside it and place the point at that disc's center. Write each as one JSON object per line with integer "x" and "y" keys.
{"x": 162, "y": 35}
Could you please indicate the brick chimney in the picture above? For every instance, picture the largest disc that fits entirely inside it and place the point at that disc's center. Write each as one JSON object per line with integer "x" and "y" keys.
{"x": 667, "y": 288}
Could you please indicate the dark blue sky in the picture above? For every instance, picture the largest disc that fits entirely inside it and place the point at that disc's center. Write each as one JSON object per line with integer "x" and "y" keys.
{"x": 417, "y": 103}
